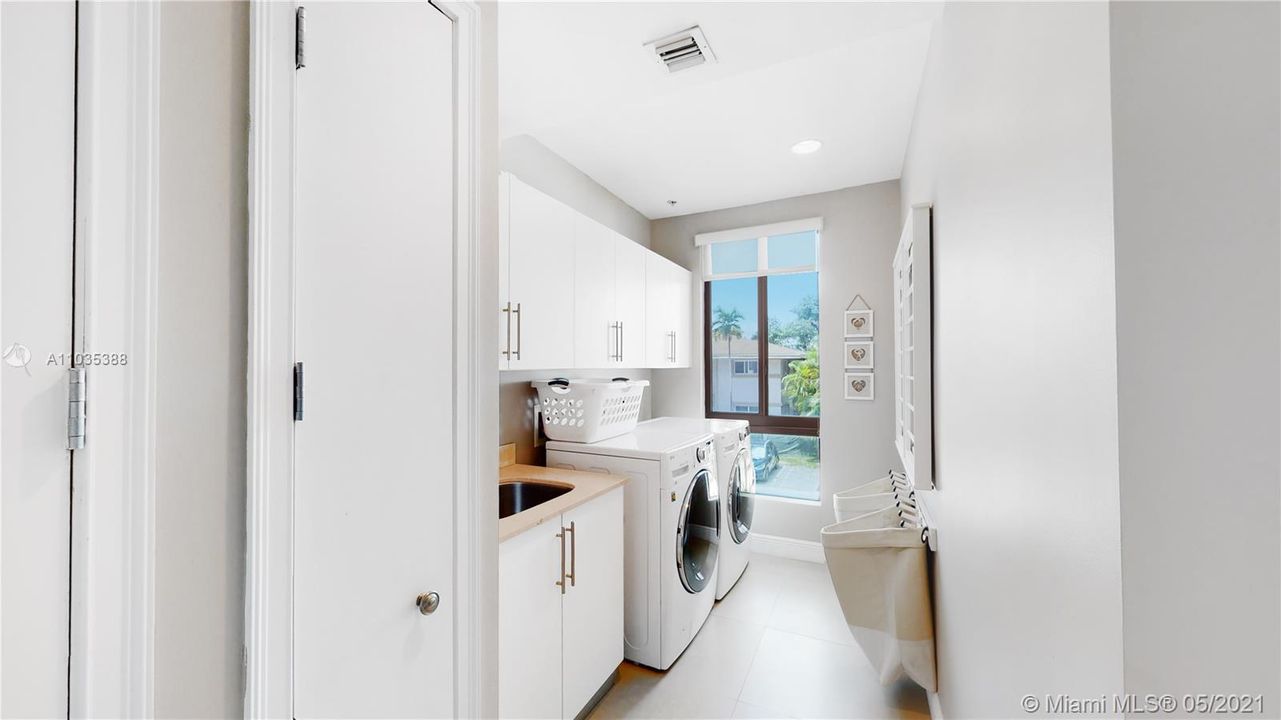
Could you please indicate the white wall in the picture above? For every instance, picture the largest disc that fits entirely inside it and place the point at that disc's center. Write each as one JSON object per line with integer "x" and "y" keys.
{"x": 1196, "y": 106}
{"x": 533, "y": 163}
{"x": 200, "y": 444}
{"x": 856, "y": 249}
{"x": 487, "y": 148}
{"x": 1012, "y": 144}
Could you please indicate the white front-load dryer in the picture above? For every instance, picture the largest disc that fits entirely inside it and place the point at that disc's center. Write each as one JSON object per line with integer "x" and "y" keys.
{"x": 736, "y": 476}
{"x": 671, "y": 533}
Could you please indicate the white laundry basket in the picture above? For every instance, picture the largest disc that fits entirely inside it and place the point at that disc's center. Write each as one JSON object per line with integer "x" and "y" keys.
{"x": 879, "y": 571}
{"x": 587, "y": 410}
{"x": 874, "y": 495}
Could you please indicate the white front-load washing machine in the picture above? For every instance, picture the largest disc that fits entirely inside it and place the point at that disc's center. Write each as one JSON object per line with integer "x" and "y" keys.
{"x": 671, "y": 532}
{"x": 736, "y": 476}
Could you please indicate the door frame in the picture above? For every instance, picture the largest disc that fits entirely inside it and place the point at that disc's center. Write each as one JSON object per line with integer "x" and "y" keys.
{"x": 270, "y": 425}
{"x": 116, "y": 278}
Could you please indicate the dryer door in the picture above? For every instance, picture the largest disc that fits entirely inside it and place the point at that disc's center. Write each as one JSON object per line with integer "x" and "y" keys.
{"x": 698, "y": 533}
{"x": 741, "y": 497}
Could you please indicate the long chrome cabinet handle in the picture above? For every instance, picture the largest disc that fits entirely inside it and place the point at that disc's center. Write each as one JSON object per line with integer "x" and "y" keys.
{"x": 613, "y": 341}
{"x": 508, "y": 312}
{"x": 518, "y": 342}
{"x": 620, "y": 340}
{"x": 573, "y": 554}
{"x": 561, "y": 581}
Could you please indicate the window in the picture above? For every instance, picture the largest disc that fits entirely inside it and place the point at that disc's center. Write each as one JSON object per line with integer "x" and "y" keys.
{"x": 761, "y": 309}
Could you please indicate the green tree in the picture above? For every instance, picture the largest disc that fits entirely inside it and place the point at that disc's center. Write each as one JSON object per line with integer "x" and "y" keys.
{"x": 802, "y": 331}
{"x": 800, "y": 385}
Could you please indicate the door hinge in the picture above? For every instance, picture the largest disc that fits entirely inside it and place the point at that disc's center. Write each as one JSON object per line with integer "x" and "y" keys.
{"x": 297, "y": 391}
{"x": 76, "y": 417}
{"x": 300, "y": 33}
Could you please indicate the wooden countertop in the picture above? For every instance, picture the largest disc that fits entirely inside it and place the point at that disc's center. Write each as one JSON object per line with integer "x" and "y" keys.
{"x": 587, "y": 486}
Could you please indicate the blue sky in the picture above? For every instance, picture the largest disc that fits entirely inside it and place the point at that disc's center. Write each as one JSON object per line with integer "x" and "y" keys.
{"x": 785, "y": 293}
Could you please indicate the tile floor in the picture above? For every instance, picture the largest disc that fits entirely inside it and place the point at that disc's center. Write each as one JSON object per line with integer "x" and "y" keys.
{"x": 775, "y": 647}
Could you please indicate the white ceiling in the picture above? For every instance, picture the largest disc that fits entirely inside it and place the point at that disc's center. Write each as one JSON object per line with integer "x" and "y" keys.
{"x": 575, "y": 77}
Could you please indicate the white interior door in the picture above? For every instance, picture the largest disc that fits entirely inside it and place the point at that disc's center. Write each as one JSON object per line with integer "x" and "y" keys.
{"x": 374, "y": 452}
{"x": 39, "y": 182}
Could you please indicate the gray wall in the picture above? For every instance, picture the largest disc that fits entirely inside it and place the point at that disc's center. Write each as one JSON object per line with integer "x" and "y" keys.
{"x": 1012, "y": 145}
{"x": 532, "y": 162}
{"x": 1196, "y": 106}
{"x": 860, "y": 233}
{"x": 538, "y": 166}
{"x": 200, "y": 444}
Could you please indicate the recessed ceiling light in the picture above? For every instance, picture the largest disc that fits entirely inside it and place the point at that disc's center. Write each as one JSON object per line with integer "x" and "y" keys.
{"x": 805, "y": 147}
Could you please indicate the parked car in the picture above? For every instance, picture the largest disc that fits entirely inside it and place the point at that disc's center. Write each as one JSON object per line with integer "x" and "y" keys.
{"x": 765, "y": 458}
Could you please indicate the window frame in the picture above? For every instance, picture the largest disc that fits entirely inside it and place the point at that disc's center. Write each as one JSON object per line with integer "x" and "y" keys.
{"x": 760, "y": 421}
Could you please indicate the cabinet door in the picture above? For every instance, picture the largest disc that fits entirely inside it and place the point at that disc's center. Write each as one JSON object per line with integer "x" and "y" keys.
{"x": 529, "y": 624}
{"x": 505, "y": 319}
{"x": 682, "y": 315}
{"x": 595, "y": 319}
{"x": 629, "y": 283}
{"x": 659, "y": 306}
{"x": 593, "y": 604}
{"x": 540, "y": 257}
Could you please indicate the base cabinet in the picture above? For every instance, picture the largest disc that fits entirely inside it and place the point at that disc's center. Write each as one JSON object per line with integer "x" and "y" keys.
{"x": 559, "y": 643}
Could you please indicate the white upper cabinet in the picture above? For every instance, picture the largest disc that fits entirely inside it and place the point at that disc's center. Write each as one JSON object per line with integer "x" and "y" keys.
{"x": 682, "y": 323}
{"x": 537, "y": 300}
{"x": 595, "y": 320}
{"x": 609, "y": 285}
{"x": 667, "y": 307}
{"x": 575, "y": 294}
{"x": 629, "y": 284}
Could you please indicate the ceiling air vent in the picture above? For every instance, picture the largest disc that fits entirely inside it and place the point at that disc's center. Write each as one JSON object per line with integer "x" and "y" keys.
{"x": 682, "y": 50}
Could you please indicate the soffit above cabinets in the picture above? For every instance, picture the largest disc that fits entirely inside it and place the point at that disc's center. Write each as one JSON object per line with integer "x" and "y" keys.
{"x": 579, "y": 78}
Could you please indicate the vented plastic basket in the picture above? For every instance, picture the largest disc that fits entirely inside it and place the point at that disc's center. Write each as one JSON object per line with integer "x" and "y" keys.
{"x": 587, "y": 410}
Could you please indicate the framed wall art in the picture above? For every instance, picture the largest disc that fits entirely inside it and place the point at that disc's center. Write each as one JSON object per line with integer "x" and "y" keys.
{"x": 860, "y": 386}
{"x": 858, "y": 355}
{"x": 858, "y": 323}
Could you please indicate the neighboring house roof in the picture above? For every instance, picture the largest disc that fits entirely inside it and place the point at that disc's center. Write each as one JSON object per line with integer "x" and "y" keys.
{"x": 744, "y": 349}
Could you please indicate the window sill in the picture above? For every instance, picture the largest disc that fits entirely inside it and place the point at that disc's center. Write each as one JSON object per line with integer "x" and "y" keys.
{"x": 789, "y": 501}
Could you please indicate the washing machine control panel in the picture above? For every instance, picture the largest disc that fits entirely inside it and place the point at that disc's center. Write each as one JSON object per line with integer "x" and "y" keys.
{"x": 701, "y": 453}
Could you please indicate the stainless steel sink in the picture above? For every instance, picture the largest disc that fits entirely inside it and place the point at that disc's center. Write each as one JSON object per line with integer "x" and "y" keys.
{"x": 519, "y": 495}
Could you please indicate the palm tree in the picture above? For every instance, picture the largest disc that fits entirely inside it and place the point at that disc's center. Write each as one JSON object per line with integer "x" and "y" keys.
{"x": 729, "y": 325}
{"x": 800, "y": 385}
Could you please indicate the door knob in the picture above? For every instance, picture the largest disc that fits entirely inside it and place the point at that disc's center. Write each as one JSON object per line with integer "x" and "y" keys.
{"x": 428, "y": 602}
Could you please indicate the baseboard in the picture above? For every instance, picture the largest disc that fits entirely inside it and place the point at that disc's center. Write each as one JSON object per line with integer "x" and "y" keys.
{"x": 936, "y": 710}
{"x": 786, "y": 547}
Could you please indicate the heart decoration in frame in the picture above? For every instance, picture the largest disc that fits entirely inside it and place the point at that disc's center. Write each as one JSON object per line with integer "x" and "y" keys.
{"x": 859, "y": 355}
{"x": 860, "y": 386}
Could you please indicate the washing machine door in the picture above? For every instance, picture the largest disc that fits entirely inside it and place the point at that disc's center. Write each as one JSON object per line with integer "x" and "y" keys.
{"x": 741, "y": 496}
{"x": 698, "y": 533}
